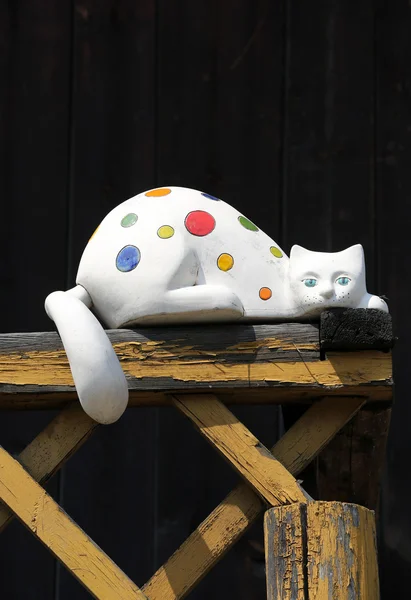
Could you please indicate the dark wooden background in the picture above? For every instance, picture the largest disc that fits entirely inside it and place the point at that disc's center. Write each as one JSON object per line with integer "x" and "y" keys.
{"x": 298, "y": 114}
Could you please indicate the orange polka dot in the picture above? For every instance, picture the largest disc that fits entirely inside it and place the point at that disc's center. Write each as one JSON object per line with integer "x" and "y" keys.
{"x": 265, "y": 293}
{"x": 158, "y": 192}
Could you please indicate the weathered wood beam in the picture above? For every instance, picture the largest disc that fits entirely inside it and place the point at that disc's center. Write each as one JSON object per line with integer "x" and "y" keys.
{"x": 52, "y": 447}
{"x": 232, "y": 517}
{"x": 253, "y": 461}
{"x": 275, "y": 363}
{"x": 64, "y": 538}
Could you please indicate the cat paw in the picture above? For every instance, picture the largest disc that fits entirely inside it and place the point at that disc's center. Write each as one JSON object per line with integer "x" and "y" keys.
{"x": 378, "y": 303}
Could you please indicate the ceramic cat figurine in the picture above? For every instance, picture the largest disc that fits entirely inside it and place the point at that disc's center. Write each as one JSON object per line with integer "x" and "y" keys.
{"x": 176, "y": 255}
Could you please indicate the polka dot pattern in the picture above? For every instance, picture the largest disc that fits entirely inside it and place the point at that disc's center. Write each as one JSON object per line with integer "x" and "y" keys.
{"x": 247, "y": 224}
{"x": 199, "y": 222}
{"x": 165, "y": 231}
{"x": 129, "y": 220}
{"x": 276, "y": 252}
{"x": 265, "y": 293}
{"x": 225, "y": 262}
{"x": 128, "y": 258}
{"x": 209, "y": 196}
{"x": 158, "y": 193}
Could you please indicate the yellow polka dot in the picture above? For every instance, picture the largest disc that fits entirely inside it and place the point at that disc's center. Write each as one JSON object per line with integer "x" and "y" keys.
{"x": 225, "y": 262}
{"x": 276, "y": 252}
{"x": 95, "y": 231}
{"x": 165, "y": 232}
{"x": 265, "y": 293}
{"x": 158, "y": 192}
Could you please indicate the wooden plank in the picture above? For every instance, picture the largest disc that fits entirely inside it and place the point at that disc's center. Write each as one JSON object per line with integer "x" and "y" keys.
{"x": 253, "y": 461}
{"x": 35, "y": 48}
{"x": 250, "y": 359}
{"x": 285, "y": 555}
{"x": 329, "y": 130}
{"x": 341, "y": 552}
{"x": 51, "y": 525}
{"x": 52, "y": 447}
{"x": 34, "y": 140}
{"x": 393, "y": 218}
{"x": 231, "y": 518}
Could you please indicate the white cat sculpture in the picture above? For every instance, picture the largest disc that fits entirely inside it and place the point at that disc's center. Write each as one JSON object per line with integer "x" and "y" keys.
{"x": 176, "y": 255}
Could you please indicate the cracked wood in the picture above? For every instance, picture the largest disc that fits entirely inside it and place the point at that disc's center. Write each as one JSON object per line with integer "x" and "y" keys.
{"x": 54, "y": 528}
{"x": 242, "y": 363}
{"x": 230, "y": 519}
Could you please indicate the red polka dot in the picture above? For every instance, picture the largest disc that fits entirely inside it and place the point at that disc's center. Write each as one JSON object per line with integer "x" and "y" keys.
{"x": 199, "y": 222}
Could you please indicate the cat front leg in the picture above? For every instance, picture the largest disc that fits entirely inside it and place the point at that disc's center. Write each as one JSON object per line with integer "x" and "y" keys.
{"x": 196, "y": 304}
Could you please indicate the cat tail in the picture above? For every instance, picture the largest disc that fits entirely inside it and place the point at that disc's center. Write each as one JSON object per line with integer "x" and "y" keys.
{"x": 100, "y": 382}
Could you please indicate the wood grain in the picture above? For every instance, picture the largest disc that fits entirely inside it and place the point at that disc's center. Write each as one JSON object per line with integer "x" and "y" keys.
{"x": 52, "y": 447}
{"x": 231, "y": 518}
{"x": 341, "y": 552}
{"x": 51, "y": 525}
{"x": 285, "y": 555}
{"x": 270, "y": 361}
{"x": 253, "y": 461}
{"x": 321, "y": 550}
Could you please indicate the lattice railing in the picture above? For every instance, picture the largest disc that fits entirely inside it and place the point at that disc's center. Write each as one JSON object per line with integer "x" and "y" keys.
{"x": 199, "y": 371}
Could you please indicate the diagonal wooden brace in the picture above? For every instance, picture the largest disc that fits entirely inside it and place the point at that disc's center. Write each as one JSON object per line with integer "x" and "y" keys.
{"x": 253, "y": 461}
{"x": 230, "y": 519}
{"x": 52, "y": 447}
{"x": 64, "y": 538}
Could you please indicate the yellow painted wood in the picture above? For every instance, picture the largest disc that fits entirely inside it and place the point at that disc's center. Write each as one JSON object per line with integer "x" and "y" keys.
{"x": 285, "y": 556}
{"x": 253, "y": 461}
{"x": 341, "y": 552}
{"x": 319, "y": 551}
{"x": 50, "y": 368}
{"x": 52, "y": 447}
{"x": 230, "y": 519}
{"x": 51, "y": 525}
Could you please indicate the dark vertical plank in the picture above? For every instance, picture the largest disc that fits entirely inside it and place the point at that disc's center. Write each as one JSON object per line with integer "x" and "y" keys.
{"x": 329, "y": 137}
{"x": 35, "y": 58}
{"x": 113, "y": 111}
{"x": 329, "y": 200}
{"x": 34, "y": 125}
{"x": 393, "y": 152}
{"x": 219, "y": 130}
{"x": 109, "y": 488}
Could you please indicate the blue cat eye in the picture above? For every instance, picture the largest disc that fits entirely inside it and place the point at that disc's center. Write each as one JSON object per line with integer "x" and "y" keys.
{"x": 343, "y": 280}
{"x": 310, "y": 282}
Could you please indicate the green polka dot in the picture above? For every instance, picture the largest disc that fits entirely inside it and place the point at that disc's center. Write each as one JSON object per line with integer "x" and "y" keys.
{"x": 247, "y": 224}
{"x": 165, "y": 232}
{"x": 129, "y": 220}
{"x": 276, "y": 252}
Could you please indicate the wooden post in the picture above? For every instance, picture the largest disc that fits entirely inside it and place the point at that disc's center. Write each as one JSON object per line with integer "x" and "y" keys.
{"x": 319, "y": 551}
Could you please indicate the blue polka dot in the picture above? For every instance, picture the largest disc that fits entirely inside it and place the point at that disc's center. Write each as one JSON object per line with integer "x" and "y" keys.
{"x": 128, "y": 258}
{"x": 209, "y": 196}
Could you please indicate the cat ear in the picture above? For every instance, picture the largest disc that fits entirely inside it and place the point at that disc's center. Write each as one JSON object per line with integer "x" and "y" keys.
{"x": 298, "y": 252}
{"x": 99, "y": 379}
{"x": 355, "y": 254}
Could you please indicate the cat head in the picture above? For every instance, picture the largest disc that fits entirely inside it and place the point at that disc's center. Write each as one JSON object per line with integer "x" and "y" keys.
{"x": 320, "y": 280}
